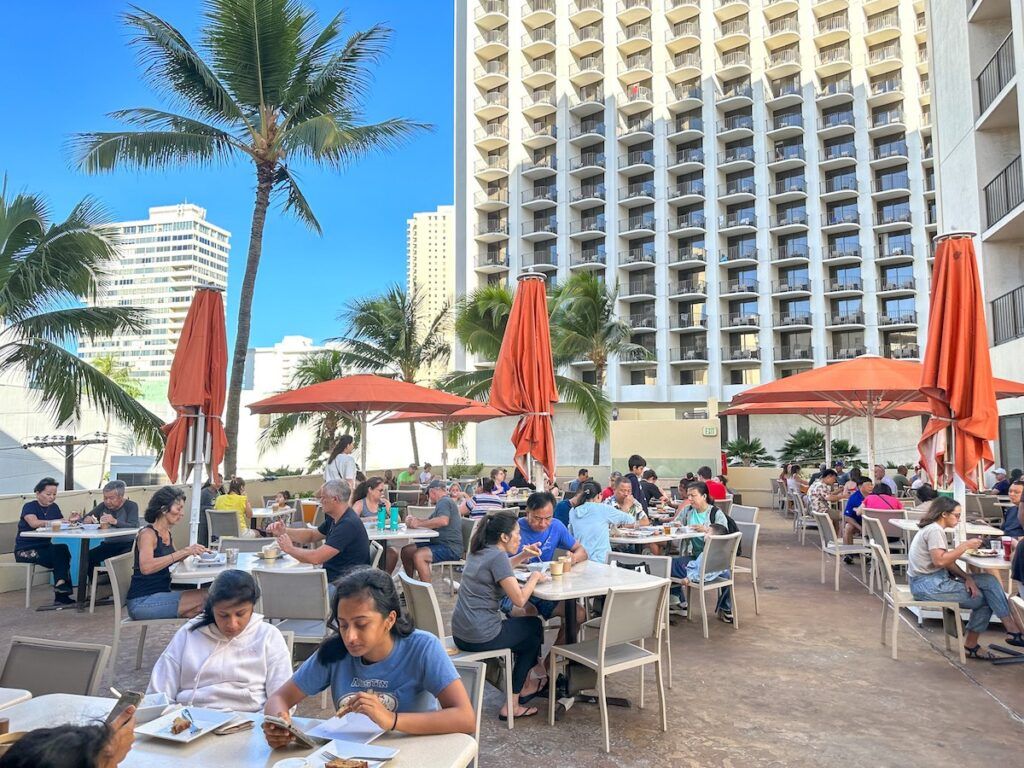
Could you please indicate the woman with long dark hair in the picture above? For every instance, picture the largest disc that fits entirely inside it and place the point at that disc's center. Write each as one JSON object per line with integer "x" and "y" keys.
{"x": 933, "y": 574}
{"x": 477, "y": 621}
{"x": 341, "y": 464}
{"x": 74, "y": 746}
{"x": 376, "y": 664}
{"x": 227, "y": 657}
{"x": 236, "y": 501}
{"x": 369, "y": 496}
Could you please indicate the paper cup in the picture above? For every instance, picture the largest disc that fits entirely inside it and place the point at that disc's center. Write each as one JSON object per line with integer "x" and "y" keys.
{"x": 556, "y": 567}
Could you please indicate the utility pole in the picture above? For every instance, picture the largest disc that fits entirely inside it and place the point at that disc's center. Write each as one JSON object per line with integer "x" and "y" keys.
{"x": 70, "y": 445}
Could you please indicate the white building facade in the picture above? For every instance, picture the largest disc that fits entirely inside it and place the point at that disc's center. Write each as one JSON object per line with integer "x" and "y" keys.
{"x": 754, "y": 175}
{"x": 163, "y": 260}
{"x": 977, "y": 56}
{"x": 430, "y": 254}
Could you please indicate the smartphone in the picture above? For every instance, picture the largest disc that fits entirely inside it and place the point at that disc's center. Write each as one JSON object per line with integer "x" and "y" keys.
{"x": 127, "y": 699}
{"x": 303, "y": 738}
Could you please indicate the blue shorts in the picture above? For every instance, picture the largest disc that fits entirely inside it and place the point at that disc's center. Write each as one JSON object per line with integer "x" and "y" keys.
{"x": 441, "y": 553}
{"x": 854, "y": 516}
{"x": 545, "y": 608}
{"x": 160, "y": 605}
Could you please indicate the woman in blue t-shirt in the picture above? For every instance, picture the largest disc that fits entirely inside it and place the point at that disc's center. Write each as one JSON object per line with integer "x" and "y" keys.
{"x": 376, "y": 664}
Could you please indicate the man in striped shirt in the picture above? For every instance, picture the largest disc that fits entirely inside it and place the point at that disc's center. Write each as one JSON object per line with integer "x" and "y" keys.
{"x": 484, "y": 500}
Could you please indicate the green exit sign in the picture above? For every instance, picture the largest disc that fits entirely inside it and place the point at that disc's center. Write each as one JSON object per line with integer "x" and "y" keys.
{"x": 710, "y": 431}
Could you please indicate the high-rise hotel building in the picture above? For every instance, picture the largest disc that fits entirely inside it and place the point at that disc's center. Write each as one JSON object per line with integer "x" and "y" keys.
{"x": 754, "y": 175}
{"x": 163, "y": 260}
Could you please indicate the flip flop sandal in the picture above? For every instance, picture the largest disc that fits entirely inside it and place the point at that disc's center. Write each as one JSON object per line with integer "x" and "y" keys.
{"x": 527, "y": 712}
{"x": 1015, "y": 638}
{"x": 976, "y": 653}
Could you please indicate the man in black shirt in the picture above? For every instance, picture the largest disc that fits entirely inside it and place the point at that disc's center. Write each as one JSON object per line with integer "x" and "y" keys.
{"x": 117, "y": 512}
{"x": 637, "y": 464}
{"x": 345, "y": 542}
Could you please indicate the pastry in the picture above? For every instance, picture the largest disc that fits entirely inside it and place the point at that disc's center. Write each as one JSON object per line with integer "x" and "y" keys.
{"x": 342, "y": 762}
{"x": 180, "y": 725}
{"x": 344, "y": 710}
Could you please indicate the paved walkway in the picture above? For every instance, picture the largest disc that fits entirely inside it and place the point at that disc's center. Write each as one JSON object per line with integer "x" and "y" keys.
{"x": 806, "y": 683}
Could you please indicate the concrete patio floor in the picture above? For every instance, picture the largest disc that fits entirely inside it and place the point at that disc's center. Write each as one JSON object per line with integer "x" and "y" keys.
{"x": 806, "y": 683}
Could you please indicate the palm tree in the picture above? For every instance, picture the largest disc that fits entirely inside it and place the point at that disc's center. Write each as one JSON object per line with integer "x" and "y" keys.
{"x": 750, "y": 452}
{"x": 314, "y": 368}
{"x": 46, "y": 269}
{"x": 807, "y": 445}
{"x": 265, "y": 86}
{"x": 121, "y": 375}
{"x": 389, "y": 336}
{"x": 585, "y": 327}
{"x": 480, "y": 320}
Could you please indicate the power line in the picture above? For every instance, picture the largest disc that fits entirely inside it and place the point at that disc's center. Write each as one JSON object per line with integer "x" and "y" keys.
{"x": 71, "y": 446}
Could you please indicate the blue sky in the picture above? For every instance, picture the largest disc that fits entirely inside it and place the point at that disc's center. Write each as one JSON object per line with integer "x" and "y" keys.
{"x": 68, "y": 65}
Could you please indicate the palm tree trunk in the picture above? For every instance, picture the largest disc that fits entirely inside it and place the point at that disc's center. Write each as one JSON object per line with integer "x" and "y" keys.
{"x": 415, "y": 445}
{"x": 599, "y": 377}
{"x": 264, "y": 183}
{"x": 106, "y": 452}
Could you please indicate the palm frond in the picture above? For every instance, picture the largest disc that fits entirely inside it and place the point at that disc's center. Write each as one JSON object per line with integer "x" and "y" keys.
{"x": 317, "y": 52}
{"x": 589, "y": 401}
{"x": 63, "y": 326}
{"x": 174, "y": 68}
{"x": 104, "y": 151}
{"x": 337, "y": 140}
{"x": 63, "y": 382}
{"x": 480, "y": 320}
{"x": 295, "y": 201}
{"x": 22, "y": 222}
{"x": 472, "y": 384}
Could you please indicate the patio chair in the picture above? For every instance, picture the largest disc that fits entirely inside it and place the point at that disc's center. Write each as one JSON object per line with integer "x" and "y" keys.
{"x": 243, "y": 544}
{"x": 119, "y": 569}
{"x": 632, "y": 614}
{"x": 376, "y": 552}
{"x": 725, "y": 505}
{"x": 989, "y": 512}
{"x": 425, "y": 613}
{"x": 656, "y": 565}
{"x": 295, "y": 601}
{"x": 468, "y": 526}
{"x": 54, "y": 666}
{"x": 474, "y": 676}
{"x": 802, "y": 519}
{"x": 896, "y": 596}
{"x": 223, "y": 522}
{"x": 873, "y": 531}
{"x": 8, "y": 531}
{"x": 719, "y": 555}
{"x": 95, "y": 578}
{"x": 318, "y": 517}
{"x": 778, "y": 494}
{"x": 412, "y": 498}
{"x": 744, "y": 514}
{"x": 421, "y": 512}
{"x": 409, "y": 487}
{"x": 832, "y": 547}
{"x": 751, "y": 532}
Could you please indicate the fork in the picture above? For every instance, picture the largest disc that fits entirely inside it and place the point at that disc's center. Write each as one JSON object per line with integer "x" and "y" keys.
{"x": 328, "y": 756}
{"x": 188, "y": 716}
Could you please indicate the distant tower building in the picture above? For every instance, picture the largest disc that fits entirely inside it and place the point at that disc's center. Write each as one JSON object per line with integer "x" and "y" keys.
{"x": 431, "y": 255}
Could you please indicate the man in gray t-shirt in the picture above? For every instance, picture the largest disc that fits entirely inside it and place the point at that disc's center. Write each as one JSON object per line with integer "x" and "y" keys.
{"x": 448, "y": 545}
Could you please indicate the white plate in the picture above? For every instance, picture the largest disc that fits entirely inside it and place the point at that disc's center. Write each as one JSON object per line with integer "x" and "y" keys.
{"x": 205, "y": 720}
{"x": 217, "y": 561}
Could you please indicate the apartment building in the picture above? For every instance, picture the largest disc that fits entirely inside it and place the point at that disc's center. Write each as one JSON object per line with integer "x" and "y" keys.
{"x": 978, "y": 48}
{"x": 430, "y": 255}
{"x": 755, "y": 176}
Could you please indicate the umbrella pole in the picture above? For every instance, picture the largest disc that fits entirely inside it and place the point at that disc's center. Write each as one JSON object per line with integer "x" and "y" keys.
{"x": 197, "y": 477}
{"x": 871, "y": 439}
{"x": 828, "y": 441}
{"x": 444, "y": 450}
{"x": 363, "y": 421}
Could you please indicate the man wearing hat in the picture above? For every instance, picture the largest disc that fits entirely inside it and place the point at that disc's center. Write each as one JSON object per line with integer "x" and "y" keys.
{"x": 1001, "y": 487}
{"x": 447, "y": 521}
{"x": 840, "y": 467}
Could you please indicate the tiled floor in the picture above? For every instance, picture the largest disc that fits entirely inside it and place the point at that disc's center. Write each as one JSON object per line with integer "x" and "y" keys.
{"x": 806, "y": 683}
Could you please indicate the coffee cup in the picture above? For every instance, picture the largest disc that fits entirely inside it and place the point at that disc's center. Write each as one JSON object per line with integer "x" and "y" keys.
{"x": 55, "y": 525}
{"x": 556, "y": 567}
{"x": 104, "y": 526}
{"x": 667, "y": 530}
{"x": 232, "y": 555}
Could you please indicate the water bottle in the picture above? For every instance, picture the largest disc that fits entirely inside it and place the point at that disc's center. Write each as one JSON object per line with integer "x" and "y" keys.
{"x": 381, "y": 518}
{"x": 394, "y": 518}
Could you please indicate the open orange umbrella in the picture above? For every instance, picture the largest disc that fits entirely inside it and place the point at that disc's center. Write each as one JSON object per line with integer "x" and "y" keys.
{"x": 524, "y": 375}
{"x": 197, "y": 390}
{"x": 471, "y": 415}
{"x": 957, "y": 376}
{"x": 361, "y": 395}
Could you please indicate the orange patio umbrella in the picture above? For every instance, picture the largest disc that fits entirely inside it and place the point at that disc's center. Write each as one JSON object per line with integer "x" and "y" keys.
{"x": 957, "y": 371}
{"x": 197, "y": 390}
{"x": 360, "y": 396}
{"x": 471, "y": 415}
{"x": 524, "y": 375}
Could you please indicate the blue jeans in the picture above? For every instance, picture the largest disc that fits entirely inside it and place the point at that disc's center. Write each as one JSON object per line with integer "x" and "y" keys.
{"x": 161, "y": 605}
{"x": 679, "y": 572}
{"x": 545, "y": 608}
{"x": 941, "y": 586}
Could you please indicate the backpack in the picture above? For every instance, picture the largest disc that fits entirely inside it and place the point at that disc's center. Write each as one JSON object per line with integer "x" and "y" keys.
{"x": 729, "y": 523}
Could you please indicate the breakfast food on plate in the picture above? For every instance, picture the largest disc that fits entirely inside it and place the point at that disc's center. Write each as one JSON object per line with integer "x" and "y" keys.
{"x": 344, "y": 710}
{"x": 180, "y": 725}
{"x": 342, "y": 762}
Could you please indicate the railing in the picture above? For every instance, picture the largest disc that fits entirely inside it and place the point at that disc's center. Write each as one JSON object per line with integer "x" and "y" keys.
{"x": 539, "y": 67}
{"x": 640, "y": 287}
{"x": 793, "y": 318}
{"x": 594, "y": 63}
{"x": 736, "y": 154}
{"x": 844, "y": 353}
{"x": 540, "y": 130}
{"x": 839, "y": 54}
{"x": 689, "y": 156}
{"x": 637, "y": 256}
{"x": 902, "y": 351}
{"x": 637, "y": 157}
{"x": 549, "y": 258}
{"x": 688, "y": 286}
{"x": 541, "y": 193}
{"x": 492, "y": 6}
{"x": 588, "y": 257}
{"x": 736, "y": 122}
{"x": 888, "y": 85}
{"x": 845, "y": 284}
{"x": 794, "y": 353}
{"x": 788, "y": 120}
{"x": 539, "y": 35}
{"x": 644, "y": 221}
{"x": 791, "y": 184}
{"x": 782, "y": 24}
{"x": 840, "y": 184}
{"x": 589, "y": 224}
{"x": 783, "y": 56}
{"x": 639, "y": 93}
{"x": 690, "y": 321}
{"x": 846, "y": 318}
{"x": 884, "y": 20}
{"x": 1004, "y": 193}
{"x": 883, "y": 53}
{"x": 691, "y": 220}
{"x": 688, "y": 90}
{"x": 586, "y": 128}
{"x": 686, "y": 59}
{"x": 645, "y": 320}
{"x": 681, "y": 28}
{"x": 688, "y": 124}
{"x": 739, "y": 285}
{"x": 742, "y": 353}
{"x": 1008, "y": 316}
{"x": 735, "y": 58}
{"x": 785, "y": 86}
{"x": 695, "y": 187}
{"x": 639, "y": 189}
{"x": 837, "y": 22}
{"x": 996, "y": 74}
{"x": 899, "y": 317}
{"x": 684, "y": 354}
{"x": 736, "y": 319}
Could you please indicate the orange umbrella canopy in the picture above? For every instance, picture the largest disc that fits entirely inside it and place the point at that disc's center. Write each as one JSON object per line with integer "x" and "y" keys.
{"x": 957, "y": 370}
{"x": 198, "y": 380}
{"x": 472, "y": 414}
{"x": 524, "y": 376}
{"x": 819, "y": 410}
{"x": 362, "y": 393}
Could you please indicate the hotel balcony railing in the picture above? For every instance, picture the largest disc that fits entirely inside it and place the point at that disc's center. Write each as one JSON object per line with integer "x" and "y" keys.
{"x": 1008, "y": 316}
{"x": 900, "y": 317}
{"x": 902, "y": 351}
{"x": 845, "y": 353}
{"x": 996, "y": 74}
{"x": 794, "y": 353}
{"x": 1004, "y": 193}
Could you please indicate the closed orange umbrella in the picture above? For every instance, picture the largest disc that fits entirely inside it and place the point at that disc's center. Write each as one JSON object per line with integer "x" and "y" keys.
{"x": 524, "y": 376}
{"x": 957, "y": 375}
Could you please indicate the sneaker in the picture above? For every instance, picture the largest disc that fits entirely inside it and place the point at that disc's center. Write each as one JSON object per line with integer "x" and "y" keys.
{"x": 848, "y": 559}
{"x": 726, "y": 616}
{"x": 678, "y": 610}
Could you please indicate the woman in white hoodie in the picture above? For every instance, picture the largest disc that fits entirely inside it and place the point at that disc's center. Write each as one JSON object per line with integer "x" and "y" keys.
{"x": 226, "y": 658}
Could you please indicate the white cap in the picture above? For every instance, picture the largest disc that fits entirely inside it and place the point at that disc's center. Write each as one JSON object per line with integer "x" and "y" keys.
{"x": 1000, "y": 471}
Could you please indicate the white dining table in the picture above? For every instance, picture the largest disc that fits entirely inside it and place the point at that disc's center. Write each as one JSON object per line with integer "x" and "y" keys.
{"x": 11, "y": 696}
{"x": 83, "y": 537}
{"x": 188, "y": 571}
{"x": 973, "y": 529}
{"x": 657, "y": 536}
{"x": 246, "y": 748}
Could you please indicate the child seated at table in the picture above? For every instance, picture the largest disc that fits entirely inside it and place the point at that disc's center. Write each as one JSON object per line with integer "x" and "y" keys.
{"x": 688, "y": 569}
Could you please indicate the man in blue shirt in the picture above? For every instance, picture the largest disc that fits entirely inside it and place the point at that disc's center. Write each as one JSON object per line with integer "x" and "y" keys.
{"x": 1013, "y": 525}
{"x": 540, "y": 529}
{"x": 581, "y": 477}
{"x": 852, "y": 520}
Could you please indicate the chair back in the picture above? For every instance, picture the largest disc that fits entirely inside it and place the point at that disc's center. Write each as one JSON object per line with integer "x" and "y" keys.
{"x": 631, "y": 614}
{"x": 295, "y": 594}
{"x": 798, "y": 504}
{"x": 421, "y": 602}
{"x": 473, "y": 675}
{"x": 421, "y": 512}
{"x": 468, "y": 527}
{"x": 826, "y": 530}
{"x": 776, "y": 487}
{"x": 222, "y": 522}
{"x": 243, "y": 544}
{"x": 719, "y": 553}
{"x": 883, "y": 567}
{"x": 318, "y": 517}
{"x": 749, "y": 533}
{"x": 409, "y": 497}
{"x": 744, "y": 514}
{"x": 657, "y": 565}
{"x": 119, "y": 571}
{"x": 376, "y": 551}
{"x": 875, "y": 532}
{"x": 269, "y": 501}
{"x": 409, "y": 487}
{"x": 54, "y": 666}
{"x": 725, "y": 505}
{"x": 289, "y": 640}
